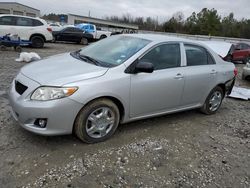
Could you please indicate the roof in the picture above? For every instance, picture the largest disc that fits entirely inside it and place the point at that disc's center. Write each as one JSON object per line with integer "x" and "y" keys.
{"x": 37, "y": 18}
{"x": 160, "y": 38}
{"x": 19, "y": 4}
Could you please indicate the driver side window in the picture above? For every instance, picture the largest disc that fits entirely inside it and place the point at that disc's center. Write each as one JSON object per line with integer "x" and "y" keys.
{"x": 164, "y": 56}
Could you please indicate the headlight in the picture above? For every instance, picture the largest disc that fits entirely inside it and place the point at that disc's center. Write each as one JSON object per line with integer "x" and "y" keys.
{"x": 49, "y": 93}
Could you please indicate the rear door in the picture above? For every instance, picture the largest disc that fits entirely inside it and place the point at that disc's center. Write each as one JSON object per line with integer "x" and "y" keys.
{"x": 24, "y": 27}
{"x": 78, "y": 34}
{"x": 200, "y": 75}
{"x": 67, "y": 35}
{"x": 160, "y": 90}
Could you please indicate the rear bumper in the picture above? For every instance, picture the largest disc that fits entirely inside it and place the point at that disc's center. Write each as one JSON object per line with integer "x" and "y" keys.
{"x": 229, "y": 86}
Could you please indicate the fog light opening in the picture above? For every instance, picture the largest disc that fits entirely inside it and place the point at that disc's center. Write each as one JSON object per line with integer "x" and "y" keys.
{"x": 41, "y": 122}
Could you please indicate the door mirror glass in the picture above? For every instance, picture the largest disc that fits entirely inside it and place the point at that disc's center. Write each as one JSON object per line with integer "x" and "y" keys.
{"x": 143, "y": 66}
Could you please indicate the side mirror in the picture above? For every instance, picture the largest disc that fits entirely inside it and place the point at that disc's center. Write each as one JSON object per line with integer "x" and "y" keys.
{"x": 144, "y": 67}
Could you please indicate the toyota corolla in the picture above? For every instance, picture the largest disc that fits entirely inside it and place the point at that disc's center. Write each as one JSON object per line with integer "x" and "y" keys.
{"x": 120, "y": 79}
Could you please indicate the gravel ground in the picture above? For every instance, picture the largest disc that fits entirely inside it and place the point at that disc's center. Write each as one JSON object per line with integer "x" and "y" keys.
{"x": 186, "y": 149}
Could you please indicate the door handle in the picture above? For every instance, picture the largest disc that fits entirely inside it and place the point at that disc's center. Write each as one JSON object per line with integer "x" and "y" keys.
{"x": 213, "y": 72}
{"x": 178, "y": 76}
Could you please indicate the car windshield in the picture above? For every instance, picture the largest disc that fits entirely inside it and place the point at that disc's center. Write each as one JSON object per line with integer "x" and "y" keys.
{"x": 114, "y": 50}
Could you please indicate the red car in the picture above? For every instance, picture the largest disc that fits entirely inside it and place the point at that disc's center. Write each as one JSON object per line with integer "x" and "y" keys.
{"x": 239, "y": 52}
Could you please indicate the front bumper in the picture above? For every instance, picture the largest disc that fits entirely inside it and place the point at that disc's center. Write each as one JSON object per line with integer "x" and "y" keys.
{"x": 60, "y": 113}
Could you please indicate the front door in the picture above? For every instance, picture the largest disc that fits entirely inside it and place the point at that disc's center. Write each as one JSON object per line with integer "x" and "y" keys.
{"x": 160, "y": 90}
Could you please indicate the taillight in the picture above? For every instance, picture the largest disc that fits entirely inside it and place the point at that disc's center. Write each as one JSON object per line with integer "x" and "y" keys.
{"x": 235, "y": 71}
{"x": 49, "y": 29}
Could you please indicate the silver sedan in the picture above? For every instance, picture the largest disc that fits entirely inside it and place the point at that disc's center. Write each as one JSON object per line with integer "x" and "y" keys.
{"x": 117, "y": 80}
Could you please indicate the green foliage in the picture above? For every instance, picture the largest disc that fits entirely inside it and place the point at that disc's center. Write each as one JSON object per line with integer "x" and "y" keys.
{"x": 208, "y": 22}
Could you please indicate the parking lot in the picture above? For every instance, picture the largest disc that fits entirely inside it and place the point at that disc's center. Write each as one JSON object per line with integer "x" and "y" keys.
{"x": 187, "y": 149}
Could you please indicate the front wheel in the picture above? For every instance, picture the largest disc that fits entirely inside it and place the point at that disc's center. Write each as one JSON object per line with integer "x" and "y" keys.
{"x": 213, "y": 101}
{"x": 97, "y": 121}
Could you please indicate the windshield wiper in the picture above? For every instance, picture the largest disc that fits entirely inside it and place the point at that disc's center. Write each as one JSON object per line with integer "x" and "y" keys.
{"x": 78, "y": 55}
{"x": 87, "y": 58}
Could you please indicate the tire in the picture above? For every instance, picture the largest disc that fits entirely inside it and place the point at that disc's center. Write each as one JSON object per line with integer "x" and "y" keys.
{"x": 102, "y": 128}
{"x": 84, "y": 41}
{"x": 18, "y": 49}
{"x": 218, "y": 95}
{"x": 2, "y": 48}
{"x": 103, "y": 37}
{"x": 37, "y": 42}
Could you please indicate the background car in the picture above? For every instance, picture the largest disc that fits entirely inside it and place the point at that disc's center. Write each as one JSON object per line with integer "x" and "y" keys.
{"x": 246, "y": 72}
{"x": 97, "y": 33}
{"x": 55, "y": 27}
{"x": 239, "y": 52}
{"x": 117, "y": 80}
{"x": 72, "y": 34}
{"x": 32, "y": 29}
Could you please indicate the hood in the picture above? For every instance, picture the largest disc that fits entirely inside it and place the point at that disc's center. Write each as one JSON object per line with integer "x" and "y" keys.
{"x": 61, "y": 69}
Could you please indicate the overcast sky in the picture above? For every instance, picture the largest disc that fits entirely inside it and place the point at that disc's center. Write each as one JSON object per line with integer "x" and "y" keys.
{"x": 164, "y": 9}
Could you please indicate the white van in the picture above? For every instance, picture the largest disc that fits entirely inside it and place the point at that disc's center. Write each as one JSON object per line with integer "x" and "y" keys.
{"x": 32, "y": 29}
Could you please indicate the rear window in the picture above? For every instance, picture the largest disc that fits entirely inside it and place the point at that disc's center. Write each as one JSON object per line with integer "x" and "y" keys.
{"x": 197, "y": 55}
{"x": 37, "y": 23}
{"x": 20, "y": 21}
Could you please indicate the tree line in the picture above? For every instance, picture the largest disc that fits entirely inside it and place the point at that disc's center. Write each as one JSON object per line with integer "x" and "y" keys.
{"x": 205, "y": 22}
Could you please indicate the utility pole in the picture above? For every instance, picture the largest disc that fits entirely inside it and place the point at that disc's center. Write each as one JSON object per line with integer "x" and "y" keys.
{"x": 89, "y": 13}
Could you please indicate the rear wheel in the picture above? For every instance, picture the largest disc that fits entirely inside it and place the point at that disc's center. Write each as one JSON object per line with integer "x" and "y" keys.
{"x": 97, "y": 121}
{"x": 84, "y": 41}
{"x": 18, "y": 49}
{"x": 37, "y": 42}
{"x": 103, "y": 37}
{"x": 213, "y": 101}
{"x": 2, "y": 47}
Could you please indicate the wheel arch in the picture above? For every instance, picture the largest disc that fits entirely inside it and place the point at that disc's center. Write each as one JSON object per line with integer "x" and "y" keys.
{"x": 115, "y": 100}
{"x": 223, "y": 87}
{"x": 38, "y": 34}
{"x": 103, "y": 36}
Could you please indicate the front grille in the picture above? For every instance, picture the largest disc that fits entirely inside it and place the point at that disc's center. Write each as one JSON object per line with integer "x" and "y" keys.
{"x": 20, "y": 88}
